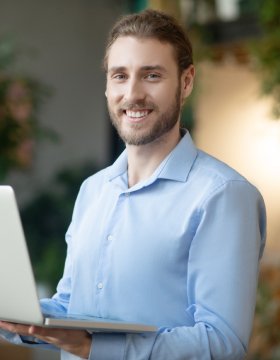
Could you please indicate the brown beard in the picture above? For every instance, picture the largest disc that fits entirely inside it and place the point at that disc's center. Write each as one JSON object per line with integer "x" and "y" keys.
{"x": 163, "y": 125}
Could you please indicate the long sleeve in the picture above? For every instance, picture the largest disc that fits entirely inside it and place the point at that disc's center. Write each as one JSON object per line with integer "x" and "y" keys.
{"x": 222, "y": 281}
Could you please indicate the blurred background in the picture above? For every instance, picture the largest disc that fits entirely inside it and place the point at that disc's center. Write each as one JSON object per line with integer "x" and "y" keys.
{"x": 55, "y": 129}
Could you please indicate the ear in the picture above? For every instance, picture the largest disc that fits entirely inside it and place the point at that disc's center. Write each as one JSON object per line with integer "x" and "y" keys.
{"x": 187, "y": 80}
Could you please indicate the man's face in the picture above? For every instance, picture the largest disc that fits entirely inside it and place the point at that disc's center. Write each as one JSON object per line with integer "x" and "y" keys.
{"x": 143, "y": 89}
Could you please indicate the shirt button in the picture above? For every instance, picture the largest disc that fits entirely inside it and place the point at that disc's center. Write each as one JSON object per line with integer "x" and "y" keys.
{"x": 100, "y": 286}
{"x": 127, "y": 194}
{"x": 110, "y": 237}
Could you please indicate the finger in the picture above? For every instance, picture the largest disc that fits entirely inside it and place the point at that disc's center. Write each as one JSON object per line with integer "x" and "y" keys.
{"x": 74, "y": 341}
{"x": 15, "y": 328}
{"x": 57, "y": 336}
{"x": 54, "y": 332}
{"x": 46, "y": 332}
{"x": 53, "y": 336}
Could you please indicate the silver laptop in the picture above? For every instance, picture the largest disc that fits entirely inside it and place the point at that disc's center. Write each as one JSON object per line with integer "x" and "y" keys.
{"x": 19, "y": 300}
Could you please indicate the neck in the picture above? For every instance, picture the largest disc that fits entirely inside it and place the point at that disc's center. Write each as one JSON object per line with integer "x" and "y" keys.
{"x": 144, "y": 159}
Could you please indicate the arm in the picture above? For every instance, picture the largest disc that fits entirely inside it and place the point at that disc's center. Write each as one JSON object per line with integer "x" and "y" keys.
{"x": 222, "y": 281}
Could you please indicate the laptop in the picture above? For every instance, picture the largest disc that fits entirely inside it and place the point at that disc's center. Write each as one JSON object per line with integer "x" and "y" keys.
{"x": 19, "y": 301}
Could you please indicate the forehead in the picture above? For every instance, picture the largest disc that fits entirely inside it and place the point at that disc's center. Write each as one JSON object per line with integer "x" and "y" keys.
{"x": 129, "y": 51}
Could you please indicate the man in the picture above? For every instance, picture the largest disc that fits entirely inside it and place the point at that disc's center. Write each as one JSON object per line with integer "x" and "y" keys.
{"x": 167, "y": 235}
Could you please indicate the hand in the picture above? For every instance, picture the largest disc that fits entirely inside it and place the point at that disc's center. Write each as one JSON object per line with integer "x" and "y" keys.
{"x": 76, "y": 342}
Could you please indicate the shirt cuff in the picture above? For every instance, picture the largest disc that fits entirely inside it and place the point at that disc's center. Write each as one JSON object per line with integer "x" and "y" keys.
{"x": 10, "y": 337}
{"x": 28, "y": 341}
{"x": 107, "y": 346}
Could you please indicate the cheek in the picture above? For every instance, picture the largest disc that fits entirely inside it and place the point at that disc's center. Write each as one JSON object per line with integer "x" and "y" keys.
{"x": 164, "y": 98}
{"x": 114, "y": 94}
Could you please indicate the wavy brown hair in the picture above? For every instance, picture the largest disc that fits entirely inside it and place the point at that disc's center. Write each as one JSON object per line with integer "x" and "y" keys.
{"x": 153, "y": 24}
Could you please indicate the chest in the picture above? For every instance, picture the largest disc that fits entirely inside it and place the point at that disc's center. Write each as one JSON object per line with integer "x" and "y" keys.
{"x": 150, "y": 227}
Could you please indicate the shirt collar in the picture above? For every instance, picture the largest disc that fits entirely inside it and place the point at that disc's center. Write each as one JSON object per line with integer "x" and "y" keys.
{"x": 180, "y": 160}
{"x": 176, "y": 166}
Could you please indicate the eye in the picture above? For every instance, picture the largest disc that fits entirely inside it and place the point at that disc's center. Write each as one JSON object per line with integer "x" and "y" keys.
{"x": 119, "y": 77}
{"x": 153, "y": 76}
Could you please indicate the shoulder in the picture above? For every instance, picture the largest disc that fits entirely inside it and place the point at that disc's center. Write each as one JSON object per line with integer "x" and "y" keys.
{"x": 91, "y": 187}
{"x": 214, "y": 176}
{"x": 210, "y": 167}
{"x": 97, "y": 179}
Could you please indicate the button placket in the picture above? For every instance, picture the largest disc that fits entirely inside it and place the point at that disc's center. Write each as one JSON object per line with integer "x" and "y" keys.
{"x": 106, "y": 243}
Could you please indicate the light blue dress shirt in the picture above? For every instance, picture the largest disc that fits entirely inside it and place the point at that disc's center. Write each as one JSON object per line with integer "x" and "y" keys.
{"x": 179, "y": 250}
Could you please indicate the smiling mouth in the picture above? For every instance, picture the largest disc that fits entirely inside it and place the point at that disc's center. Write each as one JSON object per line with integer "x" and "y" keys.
{"x": 137, "y": 115}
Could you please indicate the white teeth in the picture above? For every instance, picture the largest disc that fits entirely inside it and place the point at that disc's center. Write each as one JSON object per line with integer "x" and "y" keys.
{"x": 136, "y": 114}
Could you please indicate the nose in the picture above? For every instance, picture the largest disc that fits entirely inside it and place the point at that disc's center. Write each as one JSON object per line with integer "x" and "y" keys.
{"x": 135, "y": 91}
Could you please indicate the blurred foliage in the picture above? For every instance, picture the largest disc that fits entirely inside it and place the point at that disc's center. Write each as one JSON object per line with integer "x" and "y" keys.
{"x": 21, "y": 97}
{"x": 252, "y": 39}
{"x": 46, "y": 219}
{"x": 267, "y": 50}
{"x": 265, "y": 343}
{"x": 8, "y": 53}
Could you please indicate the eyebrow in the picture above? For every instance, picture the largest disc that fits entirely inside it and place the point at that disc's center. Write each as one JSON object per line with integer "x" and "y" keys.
{"x": 115, "y": 69}
{"x": 153, "y": 68}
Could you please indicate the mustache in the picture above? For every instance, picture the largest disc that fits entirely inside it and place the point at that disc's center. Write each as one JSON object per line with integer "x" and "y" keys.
{"x": 139, "y": 105}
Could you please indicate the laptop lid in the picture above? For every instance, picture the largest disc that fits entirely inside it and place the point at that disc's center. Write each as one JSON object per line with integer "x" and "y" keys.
{"x": 19, "y": 300}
